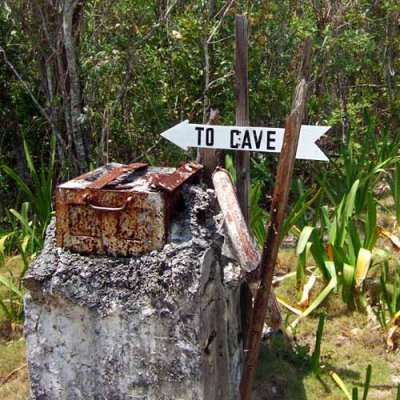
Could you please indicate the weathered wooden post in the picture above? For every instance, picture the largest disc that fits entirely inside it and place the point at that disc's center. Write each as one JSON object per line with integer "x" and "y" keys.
{"x": 210, "y": 158}
{"x": 243, "y": 139}
{"x": 273, "y": 238}
{"x": 242, "y": 158}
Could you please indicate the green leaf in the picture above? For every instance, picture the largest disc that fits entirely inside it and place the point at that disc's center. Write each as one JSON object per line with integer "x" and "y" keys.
{"x": 3, "y": 241}
{"x": 348, "y": 282}
{"x": 395, "y": 188}
{"x": 230, "y": 167}
{"x": 341, "y": 384}
{"x": 300, "y": 268}
{"x": 317, "y": 301}
{"x": 354, "y": 237}
{"x": 315, "y": 358}
{"x": 371, "y": 228}
{"x": 11, "y": 286}
{"x": 258, "y": 216}
{"x": 367, "y": 382}
{"x": 20, "y": 183}
{"x": 304, "y": 237}
{"x": 298, "y": 210}
{"x": 351, "y": 197}
{"x": 330, "y": 266}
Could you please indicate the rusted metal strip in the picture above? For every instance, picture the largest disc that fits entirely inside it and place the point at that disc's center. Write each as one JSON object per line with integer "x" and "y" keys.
{"x": 104, "y": 180}
{"x": 171, "y": 182}
{"x": 243, "y": 242}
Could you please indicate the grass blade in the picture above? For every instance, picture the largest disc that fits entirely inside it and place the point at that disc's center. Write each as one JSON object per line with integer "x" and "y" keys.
{"x": 340, "y": 383}
{"x": 11, "y": 286}
{"x": 315, "y": 358}
{"x": 362, "y": 267}
{"x": 305, "y": 235}
{"x": 347, "y": 285}
{"x": 320, "y": 298}
{"x": 367, "y": 382}
{"x": 350, "y": 200}
{"x": 20, "y": 183}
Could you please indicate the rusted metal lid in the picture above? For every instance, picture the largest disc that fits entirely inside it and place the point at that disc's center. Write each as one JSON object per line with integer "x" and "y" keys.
{"x": 115, "y": 173}
{"x": 171, "y": 182}
{"x": 136, "y": 177}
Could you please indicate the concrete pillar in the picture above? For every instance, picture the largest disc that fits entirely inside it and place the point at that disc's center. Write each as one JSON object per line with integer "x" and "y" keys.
{"x": 162, "y": 326}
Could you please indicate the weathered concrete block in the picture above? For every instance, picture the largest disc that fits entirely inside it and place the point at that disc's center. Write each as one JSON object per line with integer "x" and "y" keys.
{"x": 162, "y": 326}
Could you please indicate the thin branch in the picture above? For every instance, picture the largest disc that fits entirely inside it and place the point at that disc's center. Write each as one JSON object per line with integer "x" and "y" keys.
{"x": 221, "y": 10}
{"x": 215, "y": 81}
{"x": 26, "y": 87}
{"x": 149, "y": 150}
{"x": 198, "y": 101}
{"x": 31, "y": 95}
{"x": 213, "y": 33}
{"x": 133, "y": 51}
{"x": 7, "y": 378}
{"x": 128, "y": 75}
{"x": 222, "y": 40}
{"x": 45, "y": 29}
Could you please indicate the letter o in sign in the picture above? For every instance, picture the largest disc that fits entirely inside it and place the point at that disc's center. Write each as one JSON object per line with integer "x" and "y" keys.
{"x": 209, "y": 136}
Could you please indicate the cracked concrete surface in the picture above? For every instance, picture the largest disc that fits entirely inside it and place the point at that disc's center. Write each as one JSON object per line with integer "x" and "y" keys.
{"x": 162, "y": 326}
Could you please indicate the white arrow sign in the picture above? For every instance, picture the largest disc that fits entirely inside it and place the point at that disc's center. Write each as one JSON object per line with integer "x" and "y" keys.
{"x": 249, "y": 138}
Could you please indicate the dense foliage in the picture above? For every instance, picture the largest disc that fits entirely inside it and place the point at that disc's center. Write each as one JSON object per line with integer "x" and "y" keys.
{"x": 84, "y": 82}
{"x": 143, "y": 66}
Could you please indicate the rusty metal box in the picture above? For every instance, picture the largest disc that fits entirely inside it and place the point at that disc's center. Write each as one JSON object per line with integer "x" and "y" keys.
{"x": 119, "y": 210}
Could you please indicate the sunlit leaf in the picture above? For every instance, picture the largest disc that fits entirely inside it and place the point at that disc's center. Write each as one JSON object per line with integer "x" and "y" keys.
{"x": 340, "y": 383}
{"x": 362, "y": 267}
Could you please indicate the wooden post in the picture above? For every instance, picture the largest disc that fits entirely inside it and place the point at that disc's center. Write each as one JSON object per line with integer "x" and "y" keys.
{"x": 242, "y": 158}
{"x": 273, "y": 238}
{"x": 210, "y": 158}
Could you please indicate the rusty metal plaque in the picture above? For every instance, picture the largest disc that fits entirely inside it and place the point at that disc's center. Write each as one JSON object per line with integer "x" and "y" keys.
{"x": 119, "y": 210}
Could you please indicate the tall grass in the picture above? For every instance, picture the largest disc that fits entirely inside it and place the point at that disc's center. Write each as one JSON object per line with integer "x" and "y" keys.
{"x": 28, "y": 227}
{"x": 395, "y": 189}
{"x": 39, "y": 195}
{"x": 365, "y": 161}
{"x": 339, "y": 242}
{"x": 354, "y": 395}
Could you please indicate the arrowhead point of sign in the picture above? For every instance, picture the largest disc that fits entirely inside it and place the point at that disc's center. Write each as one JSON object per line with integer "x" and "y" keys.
{"x": 308, "y": 136}
{"x": 175, "y": 134}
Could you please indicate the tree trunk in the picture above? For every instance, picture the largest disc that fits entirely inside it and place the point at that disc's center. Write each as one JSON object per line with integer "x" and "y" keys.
{"x": 75, "y": 106}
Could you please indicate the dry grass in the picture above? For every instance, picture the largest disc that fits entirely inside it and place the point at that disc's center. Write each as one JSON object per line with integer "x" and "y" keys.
{"x": 350, "y": 342}
{"x": 13, "y": 370}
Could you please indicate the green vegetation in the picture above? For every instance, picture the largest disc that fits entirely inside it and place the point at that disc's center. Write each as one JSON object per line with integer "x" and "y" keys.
{"x": 125, "y": 71}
